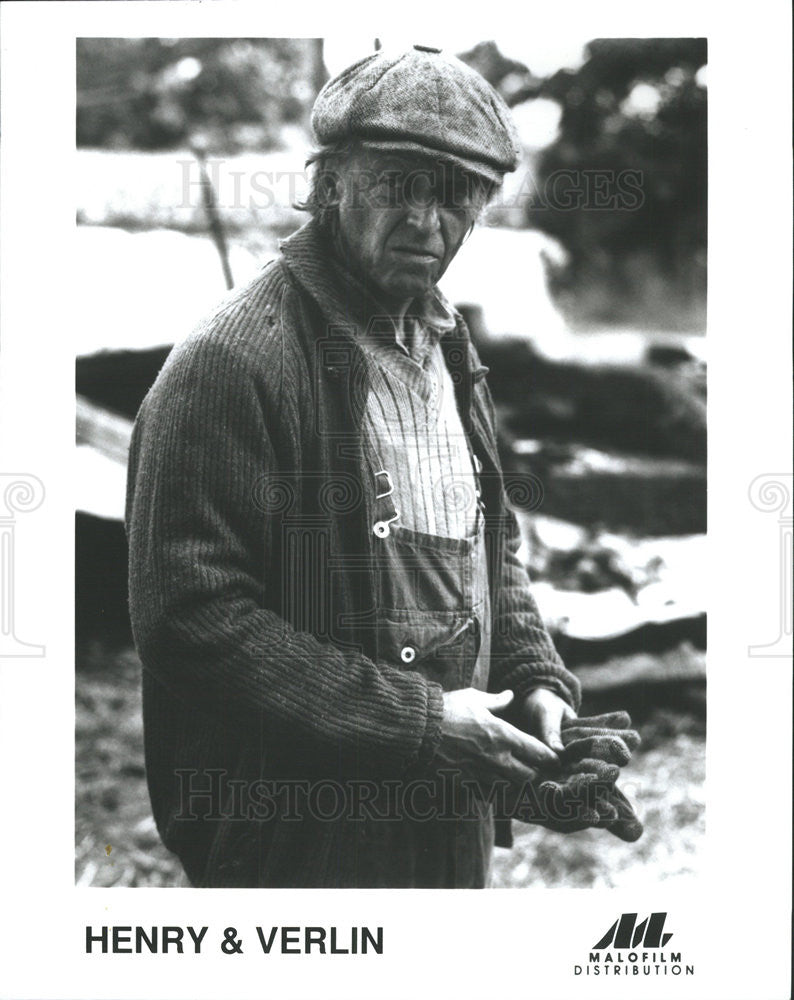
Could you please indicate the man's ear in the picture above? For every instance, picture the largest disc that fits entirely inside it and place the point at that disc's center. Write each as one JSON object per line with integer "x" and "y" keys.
{"x": 330, "y": 183}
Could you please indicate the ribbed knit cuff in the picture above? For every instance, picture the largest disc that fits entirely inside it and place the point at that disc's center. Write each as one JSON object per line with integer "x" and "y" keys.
{"x": 432, "y": 736}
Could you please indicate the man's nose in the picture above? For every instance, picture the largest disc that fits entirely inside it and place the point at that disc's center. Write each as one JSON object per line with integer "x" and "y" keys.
{"x": 423, "y": 214}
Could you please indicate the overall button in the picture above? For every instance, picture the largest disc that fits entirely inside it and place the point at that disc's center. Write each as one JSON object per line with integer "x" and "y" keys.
{"x": 381, "y": 528}
{"x": 408, "y": 654}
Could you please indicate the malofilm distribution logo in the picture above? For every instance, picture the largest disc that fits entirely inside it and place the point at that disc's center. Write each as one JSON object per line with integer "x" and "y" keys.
{"x": 630, "y": 948}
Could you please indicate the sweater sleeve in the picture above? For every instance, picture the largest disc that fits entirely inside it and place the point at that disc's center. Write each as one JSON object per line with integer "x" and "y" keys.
{"x": 199, "y": 579}
{"x": 523, "y": 654}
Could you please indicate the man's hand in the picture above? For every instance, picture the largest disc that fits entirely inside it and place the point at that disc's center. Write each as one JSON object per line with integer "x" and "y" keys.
{"x": 542, "y": 713}
{"x": 479, "y": 742}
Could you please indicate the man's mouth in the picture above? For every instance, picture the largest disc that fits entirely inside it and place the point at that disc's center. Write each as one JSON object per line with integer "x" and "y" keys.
{"x": 419, "y": 254}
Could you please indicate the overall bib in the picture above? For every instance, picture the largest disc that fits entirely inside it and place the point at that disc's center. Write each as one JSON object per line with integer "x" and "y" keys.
{"x": 433, "y": 616}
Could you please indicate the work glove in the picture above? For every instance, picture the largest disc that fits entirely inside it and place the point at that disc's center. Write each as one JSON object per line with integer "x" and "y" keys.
{"x": 607, "y": 738}
{"x": 567, "y": 803}
{"x": 581, "y": 793}
{"x": 601, "y": 744}
{"x": 627, "y": 826}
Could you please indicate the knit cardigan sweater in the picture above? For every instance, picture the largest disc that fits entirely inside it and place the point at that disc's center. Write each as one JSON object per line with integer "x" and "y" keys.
{"x": 249, "y": 514}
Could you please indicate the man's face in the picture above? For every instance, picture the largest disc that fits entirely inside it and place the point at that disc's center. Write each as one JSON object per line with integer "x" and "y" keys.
{"x": 402, "y": 219}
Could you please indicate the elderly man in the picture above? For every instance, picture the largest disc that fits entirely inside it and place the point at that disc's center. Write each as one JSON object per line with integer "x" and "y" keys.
{"x": 324, "y": 585}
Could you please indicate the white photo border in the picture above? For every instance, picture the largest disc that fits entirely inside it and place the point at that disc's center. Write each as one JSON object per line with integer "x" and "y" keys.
{"x": 734, "y": 922}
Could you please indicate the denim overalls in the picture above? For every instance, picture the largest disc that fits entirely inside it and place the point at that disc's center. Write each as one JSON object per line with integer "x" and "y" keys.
{"x": 432, "y": 616}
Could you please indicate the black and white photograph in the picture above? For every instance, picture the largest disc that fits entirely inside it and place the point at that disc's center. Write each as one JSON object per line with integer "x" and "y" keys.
{"x": 414, "y": 573}
{"x": 419, "y": 524}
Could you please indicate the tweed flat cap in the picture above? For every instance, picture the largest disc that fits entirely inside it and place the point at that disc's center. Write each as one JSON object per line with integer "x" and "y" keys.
{"x": 420, "y": 101}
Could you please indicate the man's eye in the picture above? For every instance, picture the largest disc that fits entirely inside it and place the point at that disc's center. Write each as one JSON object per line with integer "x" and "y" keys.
{"x": 389, "y": 189}
{"x": 454, "y": 191}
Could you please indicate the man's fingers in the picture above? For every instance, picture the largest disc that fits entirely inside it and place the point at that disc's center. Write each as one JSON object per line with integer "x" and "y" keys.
{"x": 549, "y": 733}
{"x": 496, "y": 702}
{"x": 545, "y": 712}
{"x": 526, "y": 748}
{"x": 506, "y": 766}
{"x": 502, "y": 769}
